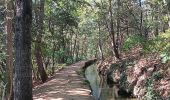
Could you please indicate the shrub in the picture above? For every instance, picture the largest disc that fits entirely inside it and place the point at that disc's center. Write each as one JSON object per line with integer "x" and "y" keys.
{"x": 151, "y": 93}
{"x": 132, "y": 41}
{"x": 159, "y": 45}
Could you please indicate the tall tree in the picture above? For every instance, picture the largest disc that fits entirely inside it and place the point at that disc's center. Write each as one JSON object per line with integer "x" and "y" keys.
{"x": 40, "y": 27}
{"x": 9, "y": 32}
{"x": 118, "y": 25}
{"x": 141, "y": 17}
{"x": 23, "y": 69}
{"x": 100, "y": 43}
{"x": 115, "y": 46}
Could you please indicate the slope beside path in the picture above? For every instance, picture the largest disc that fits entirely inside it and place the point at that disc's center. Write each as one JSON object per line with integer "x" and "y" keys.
{"x": 65, "y": 85}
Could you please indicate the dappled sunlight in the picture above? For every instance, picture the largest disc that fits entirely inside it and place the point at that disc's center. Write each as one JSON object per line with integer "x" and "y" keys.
{"x": 59, "y": 99}
{"x": 50, "y": 99}
{"x": 78, "y": 91}
{"x": 65, "y": 85}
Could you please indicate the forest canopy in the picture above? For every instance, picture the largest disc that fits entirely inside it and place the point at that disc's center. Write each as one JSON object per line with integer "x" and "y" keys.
{"x": 40, "y": 36}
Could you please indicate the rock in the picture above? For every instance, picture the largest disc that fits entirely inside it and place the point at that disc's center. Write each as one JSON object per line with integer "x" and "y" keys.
{"x": 139, "y": 89}
{"x": 150, "y": 71}
{"x": 89, "y": 62}
{"x": 142, "y": 80}
{"x": 136, "y": 90}
{"x": 124, "y": 93}
{"x": 111, "y": 79}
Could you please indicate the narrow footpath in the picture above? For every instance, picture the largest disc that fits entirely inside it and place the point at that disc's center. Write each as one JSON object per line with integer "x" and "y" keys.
{"x": 65, "y": 85}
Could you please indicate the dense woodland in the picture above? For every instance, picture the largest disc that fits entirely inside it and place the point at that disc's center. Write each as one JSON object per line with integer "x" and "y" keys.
{"x": 40, "y": 36}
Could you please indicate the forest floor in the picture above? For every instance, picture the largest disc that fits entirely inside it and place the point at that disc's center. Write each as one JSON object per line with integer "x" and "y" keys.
{"x": 65, "y": 85}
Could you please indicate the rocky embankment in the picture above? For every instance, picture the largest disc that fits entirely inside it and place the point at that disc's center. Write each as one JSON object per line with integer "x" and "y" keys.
{"x": 141, "y": 77}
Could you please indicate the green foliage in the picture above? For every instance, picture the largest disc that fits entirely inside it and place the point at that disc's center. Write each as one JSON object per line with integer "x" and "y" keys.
{"x": 123, "y": 80}
{"x": 165, "y": 46}
{"x": 2, "y": 14}
{"x": 3, "y": 90}
{"x": 165, "y": 57}
{"x": 3, "y": 82}
{"x": 3, "y": 73}
{"x": 168, "y": 4}
{"x": 157, "y": 76}
{"x": 2, "y": 56}
{"x": 151, "y": 93}
{"x": 63, "y": 11}
{"x": 60, "y": 53}
{"x": 80, "y": 58}
{"x": 149, "y": 45}
{"x": 133, "y": 41}
{"x": 159, "y": 44}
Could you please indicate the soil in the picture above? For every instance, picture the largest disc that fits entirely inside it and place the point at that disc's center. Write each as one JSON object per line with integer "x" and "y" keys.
{"x": 65, "y": 85}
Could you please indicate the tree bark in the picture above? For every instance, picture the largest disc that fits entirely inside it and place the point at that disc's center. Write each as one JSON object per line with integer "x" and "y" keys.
{"x": 74, "y": 47}
{"x": 115, "y": 46}
{"x": 100, "y": 43}
{"x": 51, "y": 29}
{"x": 77, "y": 52}
{"x": 39, "y": 60}
{"x": 141, "y": 18}
{"x": 118, "y": 26}
{"x": 9, "y": 32}
{"x": 157, "y": 28}
{"x": 62, "y": 59}
{"x": 38, "y": 51}
{"x": 23, "y": 69}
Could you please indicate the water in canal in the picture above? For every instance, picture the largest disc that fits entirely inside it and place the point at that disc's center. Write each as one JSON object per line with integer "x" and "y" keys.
{"x": 100, "y": 89}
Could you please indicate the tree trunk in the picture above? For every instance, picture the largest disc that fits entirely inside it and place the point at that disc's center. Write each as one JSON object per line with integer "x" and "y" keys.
{"x": 63, "y": 45}
{"x": 77, "y": 52}
{"x": 168, "y": 20}
{"x": 9, "y": 32}
{"x": 100, "y": 43}
{"x": 38, "y": 51}
{"x": 53, "y": 58}
{"x": 74, "y": 47}
{"x": 157, "y": 27}
{"x": 141, "y": 18}
{"x": 115, "y": 46}
{"x": 51, "y": 29}
{"x": 127, "y": 28}
{"x": 39, "y": 60}
{"x": 23, "y": 69}
{"x": 118, "y": 26}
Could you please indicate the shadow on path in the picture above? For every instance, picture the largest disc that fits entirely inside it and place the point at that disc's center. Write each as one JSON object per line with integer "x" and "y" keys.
{"x": 65, "y": 85}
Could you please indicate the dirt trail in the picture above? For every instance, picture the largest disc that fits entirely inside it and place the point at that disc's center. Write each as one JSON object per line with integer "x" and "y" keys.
{"x": 65, "y": 85}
